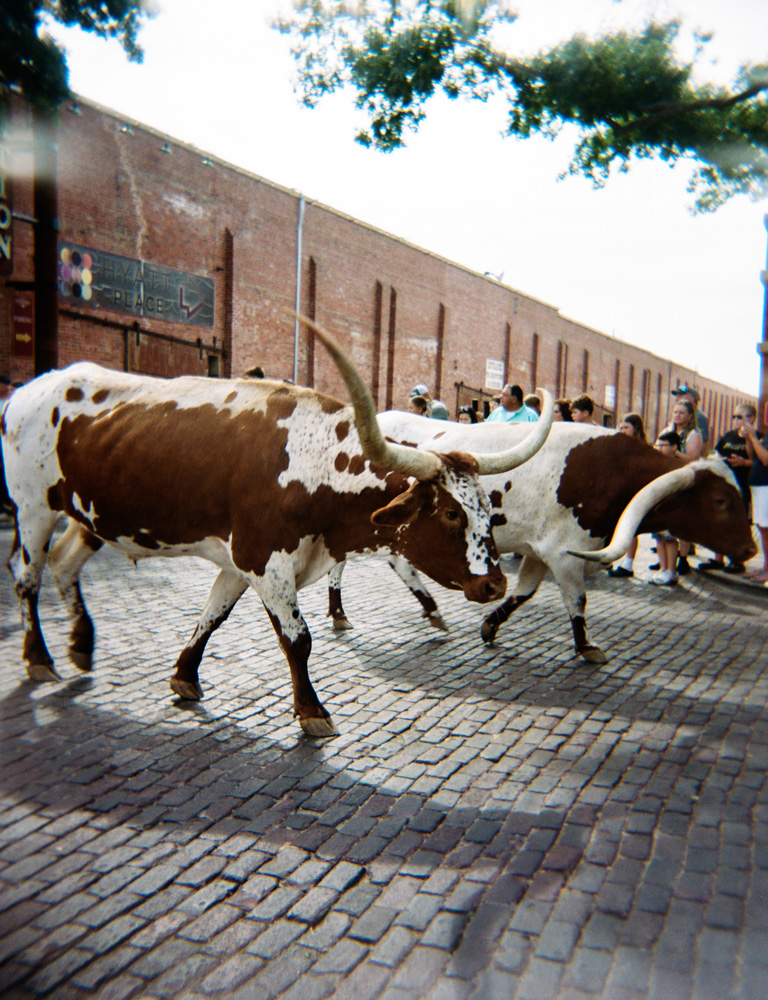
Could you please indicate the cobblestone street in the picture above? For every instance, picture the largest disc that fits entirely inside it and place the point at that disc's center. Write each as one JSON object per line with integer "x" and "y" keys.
{"x": 492, "y": 822}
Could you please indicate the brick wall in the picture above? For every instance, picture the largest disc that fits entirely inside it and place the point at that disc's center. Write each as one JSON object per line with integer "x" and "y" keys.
{"x": 403, "y": 315}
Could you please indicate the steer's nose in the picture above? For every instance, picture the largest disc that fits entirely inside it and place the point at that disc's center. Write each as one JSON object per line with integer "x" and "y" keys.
{"x": 486, "y": 588}
{"x": 748, "y": 551}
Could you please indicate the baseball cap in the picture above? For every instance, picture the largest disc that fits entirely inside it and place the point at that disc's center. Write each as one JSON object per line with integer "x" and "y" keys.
{"x": 686, "y": 390}
{"x": 439, "y": 411}
{"x": 420, "y": 390}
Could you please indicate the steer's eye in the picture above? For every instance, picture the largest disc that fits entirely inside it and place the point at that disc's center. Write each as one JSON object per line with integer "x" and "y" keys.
{"x": 452, "y": 515}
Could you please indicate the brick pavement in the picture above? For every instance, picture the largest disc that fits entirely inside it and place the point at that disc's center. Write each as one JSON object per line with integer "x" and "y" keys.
{"x": 492, "y": 822}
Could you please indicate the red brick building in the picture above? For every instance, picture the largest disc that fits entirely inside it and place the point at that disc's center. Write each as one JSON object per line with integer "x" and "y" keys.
{"x": 122, "y": 246}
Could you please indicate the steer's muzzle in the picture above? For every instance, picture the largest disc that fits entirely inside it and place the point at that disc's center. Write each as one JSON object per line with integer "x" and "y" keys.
{"x": 745, "y": 552}
{"x": 486, "y": 588}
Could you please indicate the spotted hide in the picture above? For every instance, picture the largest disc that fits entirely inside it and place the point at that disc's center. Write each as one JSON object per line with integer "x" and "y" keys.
{"x": 269, "y": 482}
{"x": 560, "y": 508}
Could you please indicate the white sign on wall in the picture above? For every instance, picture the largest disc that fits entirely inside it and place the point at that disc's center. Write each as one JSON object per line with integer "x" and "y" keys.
{"x": 494, "y": 374}
{"x": 610, "y": 397}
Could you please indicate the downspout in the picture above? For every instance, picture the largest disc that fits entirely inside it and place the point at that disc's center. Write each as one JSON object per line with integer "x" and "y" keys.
{"x": 297, "y": 302}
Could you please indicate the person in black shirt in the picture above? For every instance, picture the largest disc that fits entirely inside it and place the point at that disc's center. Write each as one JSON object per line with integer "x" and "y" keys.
{"x": 732, "y": 448}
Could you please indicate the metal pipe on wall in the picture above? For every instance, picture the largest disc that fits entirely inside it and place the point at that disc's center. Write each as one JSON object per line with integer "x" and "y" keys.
{"x": 297, "y": 301}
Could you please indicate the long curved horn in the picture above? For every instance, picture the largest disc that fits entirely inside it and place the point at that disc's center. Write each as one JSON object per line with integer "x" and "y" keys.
{"x": 503, "y": 461}
{"x": 400, "y": 458}
{"x": 637, "y": 508}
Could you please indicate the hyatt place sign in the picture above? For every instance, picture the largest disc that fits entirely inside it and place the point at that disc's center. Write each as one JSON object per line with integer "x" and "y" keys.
{"x": 121, "y": 284}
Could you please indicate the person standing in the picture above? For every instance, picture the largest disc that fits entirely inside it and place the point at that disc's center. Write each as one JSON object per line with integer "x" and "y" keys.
{"x": 688, "y": 394}
{"x": 732, "y": 448}
{"x": 632, "y": 425}
{"x": 668, "y": 443}
{"x": 422, "y": 391}
{"x": 692, "y": 447}
{"x": 467, "y": 415}
{"x": 583, "y": 409}
{"x": 562, "y": 410}
{"x": 758, "y": 483}
{"x": 417, "y": 404}
{"x": 533, "y": 402}
{"x": 512, "y": 408}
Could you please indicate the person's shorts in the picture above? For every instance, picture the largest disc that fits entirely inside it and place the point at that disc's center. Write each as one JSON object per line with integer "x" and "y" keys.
{"x": 760, "y": 506}
{"x": 664, "y": 536}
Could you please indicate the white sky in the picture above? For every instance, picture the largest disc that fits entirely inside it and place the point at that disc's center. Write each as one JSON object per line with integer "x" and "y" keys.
{"x": 629, "y": 260}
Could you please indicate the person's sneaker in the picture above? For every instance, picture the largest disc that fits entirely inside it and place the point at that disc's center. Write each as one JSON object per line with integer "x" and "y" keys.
{"x": 654, "y": 567}
{"x": 664, "y": 578}
{"x": 735, "y": 567}
{"x": 683, "y": 567}
{"x": 710, "y": 564}
{"x": 619, "y": 571}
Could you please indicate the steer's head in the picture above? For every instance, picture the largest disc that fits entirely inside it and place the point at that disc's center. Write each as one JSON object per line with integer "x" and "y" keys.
{"x": 710, "y": 512}
{"x": 442, "y": 526}
{"x": 698, "y": 502}
{"x": 442, "y": 522}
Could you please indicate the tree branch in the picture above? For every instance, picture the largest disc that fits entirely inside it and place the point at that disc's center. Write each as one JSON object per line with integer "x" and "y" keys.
{"x": 656, "y": 113}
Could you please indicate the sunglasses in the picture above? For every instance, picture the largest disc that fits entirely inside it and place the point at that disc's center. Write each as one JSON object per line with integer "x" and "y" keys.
{"x": 739, "y": 416}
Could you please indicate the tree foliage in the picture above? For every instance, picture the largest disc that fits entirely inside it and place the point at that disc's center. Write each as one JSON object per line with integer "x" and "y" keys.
{"x": 30, "y": 60}
{"x": 627, "y": 92}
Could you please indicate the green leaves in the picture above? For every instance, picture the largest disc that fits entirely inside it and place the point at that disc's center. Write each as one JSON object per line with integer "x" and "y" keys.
{"x": 627, "y": 92}
{"x": 32, "y": 62}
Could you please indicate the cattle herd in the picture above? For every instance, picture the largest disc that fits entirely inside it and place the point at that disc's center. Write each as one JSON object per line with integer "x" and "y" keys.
{"x": 277, "y": 485}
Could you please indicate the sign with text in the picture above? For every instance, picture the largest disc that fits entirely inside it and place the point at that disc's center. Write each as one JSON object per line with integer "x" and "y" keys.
{"x": 107, "y": 281}
{"x": 494, "y": 374}
{"x": 23, "y": 325}
{"x": 6, "y": 213}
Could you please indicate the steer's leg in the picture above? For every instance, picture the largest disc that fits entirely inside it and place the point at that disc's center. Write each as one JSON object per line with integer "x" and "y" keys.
{"x": 25, "y": 563}
{"x": 226, "y": 591}
{"x": 532, "y": 572}
{"x": 68, "y": 556}
{"x": 569, "y": 575}
{"x": 278, "y": 595}
{"x": 335, "y": 609}
{"x": 413, "y": 582}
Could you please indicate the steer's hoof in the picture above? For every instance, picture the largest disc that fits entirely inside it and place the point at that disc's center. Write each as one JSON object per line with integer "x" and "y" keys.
{"x": 83, "y": 661}
{"x": 320, "y": 728}
{"x": 186, "y": 690}
{"x": 41, "y": 672}
{"x": 437, "y": 620}
{"x": 342, "y": 623}
{"x": 593, "y": 654}
{"x": 488, "y": 631}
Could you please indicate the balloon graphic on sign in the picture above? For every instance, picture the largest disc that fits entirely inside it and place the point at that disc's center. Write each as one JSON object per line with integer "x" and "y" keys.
{"x": 75, "y": 274}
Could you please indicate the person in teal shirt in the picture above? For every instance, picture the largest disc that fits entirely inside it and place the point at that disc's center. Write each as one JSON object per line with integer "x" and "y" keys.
{"x": 511, "y": 407}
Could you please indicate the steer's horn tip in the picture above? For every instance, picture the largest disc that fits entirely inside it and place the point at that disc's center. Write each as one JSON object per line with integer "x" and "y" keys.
{"x": 590, "y": 556}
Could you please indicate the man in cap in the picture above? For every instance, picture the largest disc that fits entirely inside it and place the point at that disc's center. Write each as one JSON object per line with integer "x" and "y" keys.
{"x": 688, "y": 393}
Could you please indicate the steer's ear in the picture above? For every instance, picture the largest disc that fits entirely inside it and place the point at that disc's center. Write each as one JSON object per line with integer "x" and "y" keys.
{"x": 399, "y": 511}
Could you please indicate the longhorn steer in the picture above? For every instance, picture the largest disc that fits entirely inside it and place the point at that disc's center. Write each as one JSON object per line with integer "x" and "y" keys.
{"x": 584, "y": 486}
{"x": 272, "y": 483}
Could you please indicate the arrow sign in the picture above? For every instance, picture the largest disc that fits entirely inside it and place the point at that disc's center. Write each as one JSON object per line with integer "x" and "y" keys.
{"x": 23, "y": 325}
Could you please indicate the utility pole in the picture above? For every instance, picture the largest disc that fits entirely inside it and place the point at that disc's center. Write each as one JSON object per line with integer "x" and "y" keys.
{"x": 45, "y": 243}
